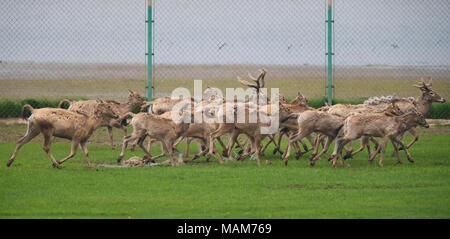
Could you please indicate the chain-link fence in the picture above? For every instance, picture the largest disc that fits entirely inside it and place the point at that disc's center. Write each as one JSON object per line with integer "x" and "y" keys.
{"x": 50, "y": 50}
{"x": 75, "y": 49}
{"x": 384, "y": 47}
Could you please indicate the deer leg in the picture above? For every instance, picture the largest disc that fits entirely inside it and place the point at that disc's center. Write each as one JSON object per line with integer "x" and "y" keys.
{"x": 348, "y": 149}
{"x": 168, "y": 146}
{"x": 300, "y": 135}
{"x": 298, "y": 151}
{"x": 377, "y": 151}
{"x": 188, "y": 141}
{"x": 86, "y": 153}
{"x": 382, "y": 146}
{"x": 110, "y": 134}
{"x": 413, "y": 132}
{"x": 73, "y": 152}
{"x": 311, "y": 141}
{"x": 233, "y": 139}
{"x": 256, "y": 147}
{"x": 340, "y": 144}
{"x": 368, "y": 150}
{"x": 211, "y": 149}
{"x": 224, "y": 147}
{"x": 324, "y": 149}
{"x": 305, "y": 147}
{"x": 47, "y": 143}
{"x": 271, "y": 139}
{"x": 408, "y": 155}
{"x": 203, "y": 150}
{"x": 32, "y": 132}
{"x": 278, "y": 146}
{"x": 148, "y": 156}
{"x": 126, "y": 139}
{"x": 375, "y": 142}
{"x": 314, "y": 154}
{"x": 394, "y": 145}
{"x": 350, "y": 154}
{"x": 149, "y": 144}
{"x": 168, "y": 151}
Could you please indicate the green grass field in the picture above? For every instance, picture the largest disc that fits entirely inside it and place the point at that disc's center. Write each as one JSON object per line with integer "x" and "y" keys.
{"x": 31, "y": 188}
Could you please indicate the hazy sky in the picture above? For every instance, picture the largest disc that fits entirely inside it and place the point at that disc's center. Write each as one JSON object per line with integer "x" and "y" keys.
{"x": 395, "y": 32}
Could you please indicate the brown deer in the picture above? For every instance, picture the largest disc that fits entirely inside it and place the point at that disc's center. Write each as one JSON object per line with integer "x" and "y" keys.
{"x": 159, "y": 128}
{"x": 87, "y": 107}
{"x": 61, "y": 123}
{"x": 386, "y": 125}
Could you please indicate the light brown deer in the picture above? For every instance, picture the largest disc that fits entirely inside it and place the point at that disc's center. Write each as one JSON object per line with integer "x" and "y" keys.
{"x": 167, "y": 131}
{"x": 253, "y": 130}
{"x": 387, "y": 126}
{"x": 422, "y": 104}
{"x": 314, "y": 121}
{"x": 61, "y": 123}
{"x": 121, "y": 109}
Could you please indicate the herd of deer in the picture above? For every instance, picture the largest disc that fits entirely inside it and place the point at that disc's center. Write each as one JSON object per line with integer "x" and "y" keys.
{"x": 387, "y": 118}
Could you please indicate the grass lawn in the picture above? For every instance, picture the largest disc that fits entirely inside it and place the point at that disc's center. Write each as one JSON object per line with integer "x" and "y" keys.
{"x": 31, "y": 188}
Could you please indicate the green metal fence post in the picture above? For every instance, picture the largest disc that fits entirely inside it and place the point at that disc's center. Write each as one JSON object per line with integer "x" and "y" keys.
{"x": 150, "y": 51}
{"x": 330, "y": 52}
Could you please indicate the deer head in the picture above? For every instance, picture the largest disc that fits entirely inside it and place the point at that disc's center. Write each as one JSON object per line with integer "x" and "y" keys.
{"x": 393, "y": 109}
{"x": 282, "y": 99}
{"x": 300, "y": 100}
{"x": 428, "y": 94}
{"x": 105, "y": 111}
{"x": 135, "y": 98}
{"x": 415, "y": 117}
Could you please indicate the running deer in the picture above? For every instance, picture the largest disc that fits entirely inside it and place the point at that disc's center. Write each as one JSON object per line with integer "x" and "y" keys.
{"x": 61, "y": 123}
{"x": 88, "y": 107}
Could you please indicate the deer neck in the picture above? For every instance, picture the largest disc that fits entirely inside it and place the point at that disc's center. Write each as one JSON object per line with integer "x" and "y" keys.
{"x": 406, "y": 122}
{"x": 126, "y": 107}
{"x": 423, "y": 105}
{"x": 94, "y": 122}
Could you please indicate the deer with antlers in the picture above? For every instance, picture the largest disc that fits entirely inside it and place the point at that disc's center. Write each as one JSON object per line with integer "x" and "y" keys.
{"x": 422, "y": 104}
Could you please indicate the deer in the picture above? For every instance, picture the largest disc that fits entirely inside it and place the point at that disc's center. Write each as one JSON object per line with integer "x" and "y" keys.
{"x": 75, "y": 126}
{"x": 121, "y": 109}
{"x": 387, "y": 125}
{"x": 159, "y": 128}
{"x": 422, "y": 104}
{"x": 253, "y": 130}
{"x": 289, "y": 126}
{"x": 313, "y": 121}
{"x": 327, "y": 124}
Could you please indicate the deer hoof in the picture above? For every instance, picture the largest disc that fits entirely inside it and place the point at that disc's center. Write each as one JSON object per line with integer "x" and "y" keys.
{"x": 348, "y": 155}
{"x": 56, "y": 165}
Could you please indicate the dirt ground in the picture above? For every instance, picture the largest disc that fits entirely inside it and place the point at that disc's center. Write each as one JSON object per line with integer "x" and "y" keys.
{"x": 111, "y": 81}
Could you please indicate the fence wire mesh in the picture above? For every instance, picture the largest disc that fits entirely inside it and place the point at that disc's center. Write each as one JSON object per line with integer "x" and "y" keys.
{"x": 50, "y": 50}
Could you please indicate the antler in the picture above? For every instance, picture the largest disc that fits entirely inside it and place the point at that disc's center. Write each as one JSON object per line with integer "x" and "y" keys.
{"x": 422, "y": 84}
{"x": 247, "y": 83}
{"x": 259, "y": 81}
